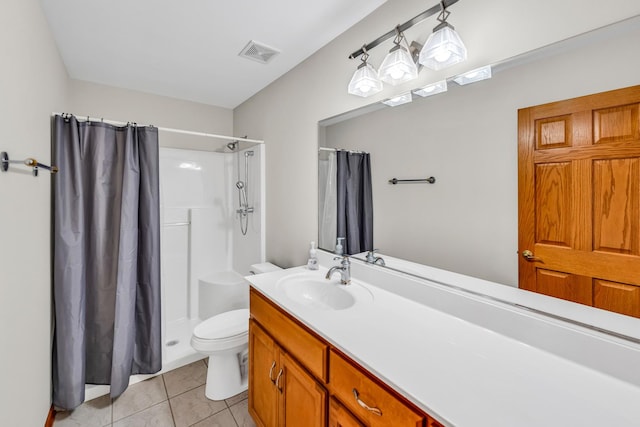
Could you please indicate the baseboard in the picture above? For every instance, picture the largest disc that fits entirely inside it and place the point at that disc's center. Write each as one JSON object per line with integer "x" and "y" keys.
{"x": 50, "y": 418}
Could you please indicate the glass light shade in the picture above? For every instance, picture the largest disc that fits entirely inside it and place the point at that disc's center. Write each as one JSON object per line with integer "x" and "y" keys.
{"x": 473, "y": 76}
{"x": 365, "y": 81}
{"x": 443, "y": 49}
{"x": 398, "y": 100}
{"x": 432, "y": 89}
{"x": 398, "y": 67}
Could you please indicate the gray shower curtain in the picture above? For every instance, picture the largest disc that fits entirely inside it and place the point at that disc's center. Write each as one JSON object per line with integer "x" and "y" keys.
{"x": 106, "y": 257}
{"x": 355, "y": 201}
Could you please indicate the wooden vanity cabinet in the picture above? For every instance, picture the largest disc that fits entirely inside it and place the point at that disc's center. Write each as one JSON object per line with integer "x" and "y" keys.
{"x": 281, "y": 392}
{"x": 297, "y": 379}
{"x": 287, "y": 369}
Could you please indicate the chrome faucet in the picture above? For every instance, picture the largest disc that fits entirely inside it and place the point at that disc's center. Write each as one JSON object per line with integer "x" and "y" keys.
{"x": 373, "y": 259}
{"x": 344, "y": 269}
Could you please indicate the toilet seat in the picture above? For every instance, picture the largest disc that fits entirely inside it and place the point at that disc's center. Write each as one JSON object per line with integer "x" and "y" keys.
{"x": 223, "y": 325}
{"x": 222, "y": 331}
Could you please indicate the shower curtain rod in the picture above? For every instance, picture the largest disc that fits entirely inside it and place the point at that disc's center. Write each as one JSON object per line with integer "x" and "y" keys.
{"x": 172, "y": 130}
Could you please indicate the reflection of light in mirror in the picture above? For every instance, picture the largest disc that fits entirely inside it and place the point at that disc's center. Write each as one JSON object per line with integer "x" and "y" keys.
{"x": 398, "y": 100}
{"x": 190, "y": 165}
{"x": 473, "y": 76}
{"x": 432, "y": 89}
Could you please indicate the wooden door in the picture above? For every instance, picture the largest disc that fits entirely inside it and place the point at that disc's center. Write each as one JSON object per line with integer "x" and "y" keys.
{"x": 264, "y": 367}
{"x": 579, "y": 199}
{"x": 303, "y": 401}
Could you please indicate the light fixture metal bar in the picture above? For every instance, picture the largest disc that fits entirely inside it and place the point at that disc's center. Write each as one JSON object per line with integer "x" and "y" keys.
{"x": 410, "y": 23}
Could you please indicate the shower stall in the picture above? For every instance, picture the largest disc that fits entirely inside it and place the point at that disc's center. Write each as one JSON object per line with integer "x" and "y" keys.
{"x": 212, "y": 213}
{"x": 212, "y": 199}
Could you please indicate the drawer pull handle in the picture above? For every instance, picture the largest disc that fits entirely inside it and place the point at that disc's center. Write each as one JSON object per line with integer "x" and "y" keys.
{"x": 365, "y": 406}
{"x": 278, "y": 380}
{"x": 271, "y": 372}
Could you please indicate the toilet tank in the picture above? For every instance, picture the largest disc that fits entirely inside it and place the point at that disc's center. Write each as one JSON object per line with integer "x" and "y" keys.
{"x": 222, "y": 291}
{"x": 264, "y": 267}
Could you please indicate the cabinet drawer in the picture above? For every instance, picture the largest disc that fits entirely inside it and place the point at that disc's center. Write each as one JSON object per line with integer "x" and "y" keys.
{"x": 306, "y": 348}
{"x": 344, "y": 378}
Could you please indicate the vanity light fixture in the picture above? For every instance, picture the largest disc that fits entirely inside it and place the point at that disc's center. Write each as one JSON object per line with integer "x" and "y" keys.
{"x": 398, "y": 100}
{"x": 444, "y": 47}
{"x": 432, "y": 89}
{"x": 482, "y": 73}
{"x": 398, "y": 66}
{"x": 365, "y": 81}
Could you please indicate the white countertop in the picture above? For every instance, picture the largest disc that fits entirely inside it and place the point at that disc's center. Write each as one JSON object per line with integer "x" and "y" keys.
{"x": 464, "y": 374}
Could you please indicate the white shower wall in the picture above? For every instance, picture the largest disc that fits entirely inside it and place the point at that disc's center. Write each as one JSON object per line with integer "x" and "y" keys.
{"x": 201, "y": 233}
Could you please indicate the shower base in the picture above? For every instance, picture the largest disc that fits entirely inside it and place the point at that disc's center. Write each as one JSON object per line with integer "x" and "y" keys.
{"x": 176, "y": 352}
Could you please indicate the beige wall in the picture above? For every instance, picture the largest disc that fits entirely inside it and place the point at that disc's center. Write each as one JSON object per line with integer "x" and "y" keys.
{"x": 33, "y": 82}
{"x": 125, "y": 105}
{"x": 286, "y": 113}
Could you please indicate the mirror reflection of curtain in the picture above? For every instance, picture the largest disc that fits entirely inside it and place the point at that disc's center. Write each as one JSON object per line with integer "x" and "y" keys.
{"x": 327, "y": 210}
{"x": 354, "y": 201}
{"x": 106, "y": 257}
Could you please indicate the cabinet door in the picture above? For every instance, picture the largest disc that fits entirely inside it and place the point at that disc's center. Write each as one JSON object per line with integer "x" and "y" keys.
{"x": 339, "y": 416}
{"x": 303, "y": 401}
{"x": 263, "y": 370}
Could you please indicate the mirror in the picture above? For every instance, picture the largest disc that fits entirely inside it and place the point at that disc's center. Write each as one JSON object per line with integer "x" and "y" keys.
{"x": 467, "y": 138}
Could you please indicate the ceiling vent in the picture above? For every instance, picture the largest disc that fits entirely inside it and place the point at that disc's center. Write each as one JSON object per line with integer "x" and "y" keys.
{"x": 258, "y": 52}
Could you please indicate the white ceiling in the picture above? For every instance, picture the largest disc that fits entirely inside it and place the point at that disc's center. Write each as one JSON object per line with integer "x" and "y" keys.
{"x": 189, "y": 49}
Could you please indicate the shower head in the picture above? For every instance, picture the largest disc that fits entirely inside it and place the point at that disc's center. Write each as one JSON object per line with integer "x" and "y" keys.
{"x": 232, "y": 145}
{"x": 240, "y": 185}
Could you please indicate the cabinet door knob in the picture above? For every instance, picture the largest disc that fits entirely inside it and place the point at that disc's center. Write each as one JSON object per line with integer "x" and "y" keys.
{"x": 364, "y": 405}
{"x": 278, "y": 380}
{"x": 273, "y": 365}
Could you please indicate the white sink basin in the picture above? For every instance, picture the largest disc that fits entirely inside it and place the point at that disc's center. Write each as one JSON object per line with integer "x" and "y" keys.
{"x": 312, "y": 290}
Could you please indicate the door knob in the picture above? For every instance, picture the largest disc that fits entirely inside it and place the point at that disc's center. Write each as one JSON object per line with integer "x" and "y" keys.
{"x": 528, "y": 255}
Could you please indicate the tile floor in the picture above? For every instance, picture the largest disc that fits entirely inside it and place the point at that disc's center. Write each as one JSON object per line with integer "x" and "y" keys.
{"x": 175, "y": 399}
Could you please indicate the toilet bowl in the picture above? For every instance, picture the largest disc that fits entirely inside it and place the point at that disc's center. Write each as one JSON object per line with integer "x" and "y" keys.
{"x": 224, "y": 338}
{"x": 224, "y": 334}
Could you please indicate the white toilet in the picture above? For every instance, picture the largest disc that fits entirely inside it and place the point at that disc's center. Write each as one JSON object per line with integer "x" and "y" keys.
{"x": 223, "y": 336}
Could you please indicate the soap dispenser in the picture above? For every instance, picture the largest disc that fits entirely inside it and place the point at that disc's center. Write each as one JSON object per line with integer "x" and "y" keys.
{"x": 312, "y": 263}
{"x": 339, "y": 249}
